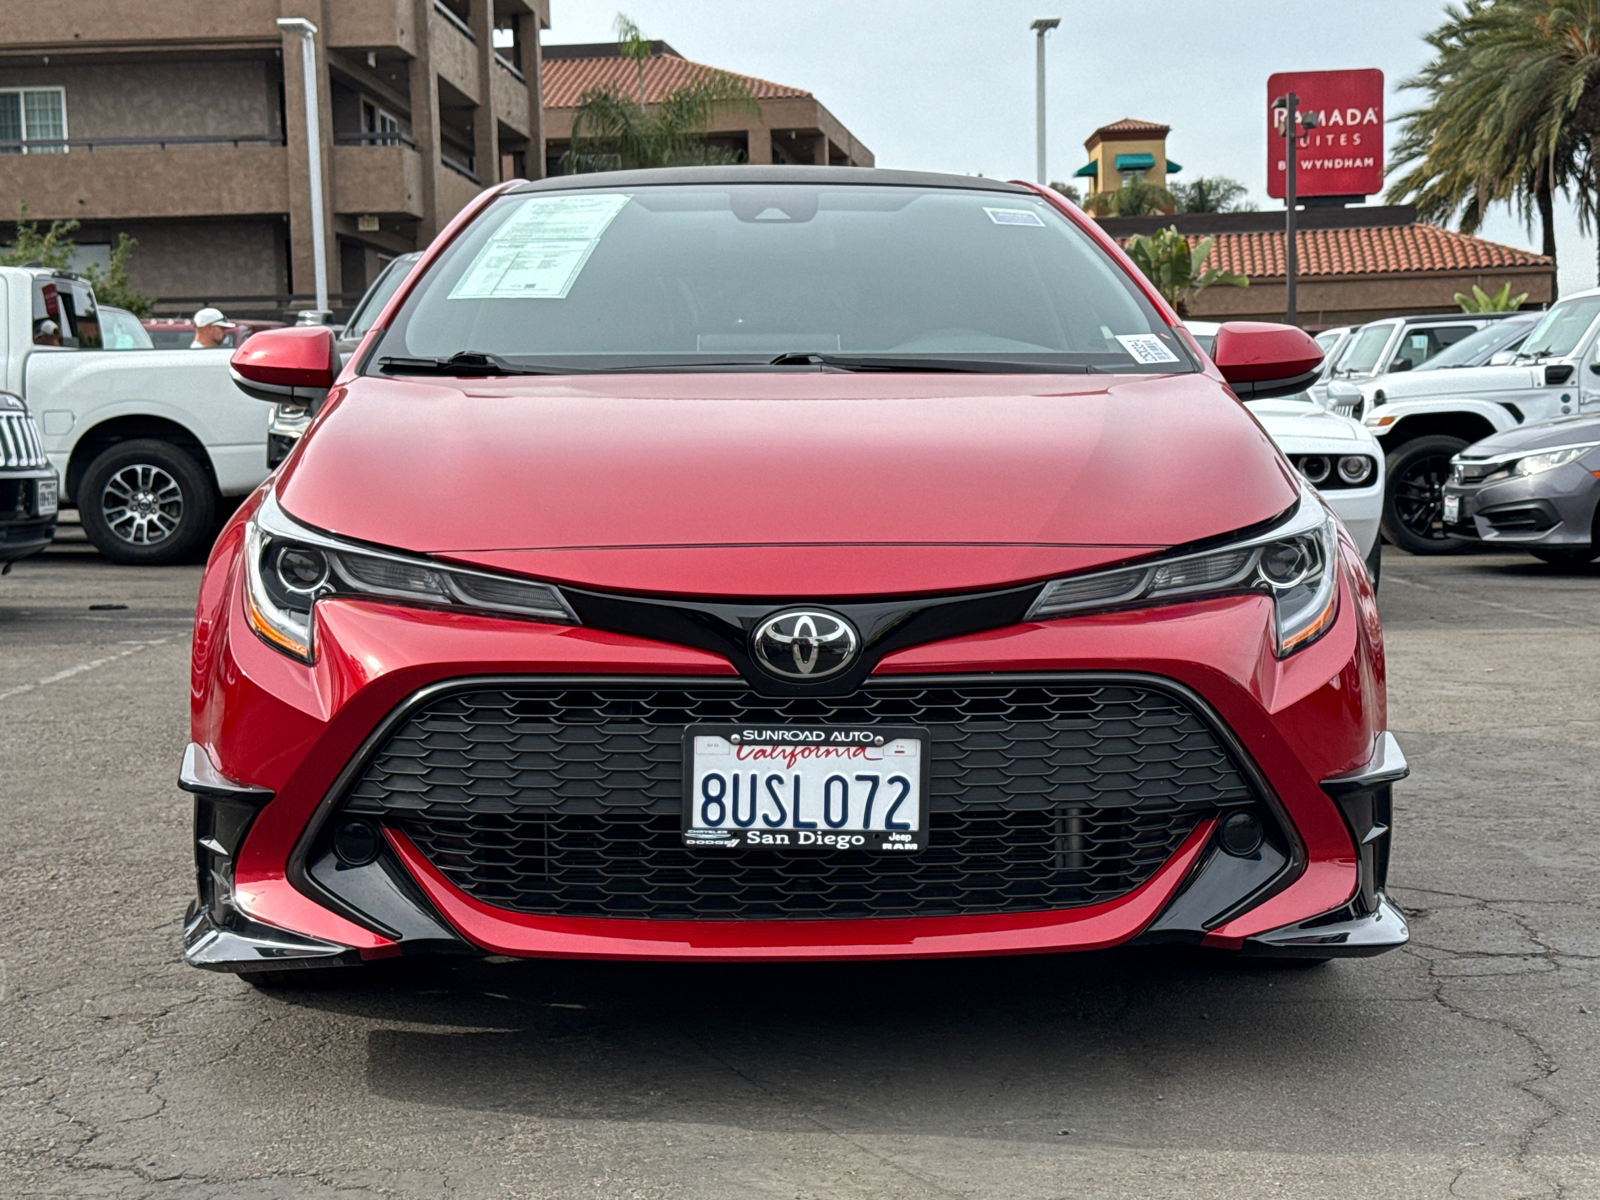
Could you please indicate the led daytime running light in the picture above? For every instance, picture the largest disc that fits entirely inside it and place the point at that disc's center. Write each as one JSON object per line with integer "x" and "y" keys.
{"x": 290, "y": 567}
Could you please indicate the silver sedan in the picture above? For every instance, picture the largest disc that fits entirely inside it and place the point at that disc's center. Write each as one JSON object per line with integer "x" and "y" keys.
{"x": 1536, "y": 487}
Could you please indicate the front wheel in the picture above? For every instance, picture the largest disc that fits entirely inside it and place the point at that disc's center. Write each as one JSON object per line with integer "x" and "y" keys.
{"x": 146, "y": 502}
{"x": 1413, "y": 501}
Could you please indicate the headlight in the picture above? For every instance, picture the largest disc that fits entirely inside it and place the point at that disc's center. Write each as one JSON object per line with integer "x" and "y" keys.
{"x": 290, "y": 567}
{"x": 1549, "y": 460}
{"x": 1295, "y": 564}
{"x": 1315, "y": 467}
{"x": 1355, "y": 469}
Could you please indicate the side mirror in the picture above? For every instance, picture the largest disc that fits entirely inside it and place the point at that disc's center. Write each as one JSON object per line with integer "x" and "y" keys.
{"x": 1502, "y": 358}
{"x": 1260, "y": 360}
{"x": 1594, "y": 368}
{"x": 294, "y": 365}
{"x": 1400, "y": 364}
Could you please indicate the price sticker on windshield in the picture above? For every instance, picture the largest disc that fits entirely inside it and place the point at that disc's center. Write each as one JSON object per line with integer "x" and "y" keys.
{"x": 540, "y": 250}
{"x": 1146, "y": 348}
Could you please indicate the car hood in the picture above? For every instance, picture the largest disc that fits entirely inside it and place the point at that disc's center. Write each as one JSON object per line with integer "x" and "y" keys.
{"x": 1296, "y": 421}
{"x": 1453, "y": 381}
{"x": 1563, "y": 431}
{"x": 770, "y": 483}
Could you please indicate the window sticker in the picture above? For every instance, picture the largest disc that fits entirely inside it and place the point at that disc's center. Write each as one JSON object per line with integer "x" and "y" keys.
{"x": 1146, "y": 348}
{"x": 1014, "y": 216}
{"x": 541, "y": 249}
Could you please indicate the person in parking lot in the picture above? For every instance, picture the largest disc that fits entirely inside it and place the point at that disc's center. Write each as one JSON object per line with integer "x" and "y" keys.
{"x": 211, "y": 329}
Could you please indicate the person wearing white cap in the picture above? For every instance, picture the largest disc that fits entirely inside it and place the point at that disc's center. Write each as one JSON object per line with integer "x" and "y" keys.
{"x": 210, "y": 328}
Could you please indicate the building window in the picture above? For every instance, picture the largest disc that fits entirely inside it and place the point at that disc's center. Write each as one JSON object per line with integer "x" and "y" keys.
{"x": 29, "y": 115}
{"x": 379, "y": 121}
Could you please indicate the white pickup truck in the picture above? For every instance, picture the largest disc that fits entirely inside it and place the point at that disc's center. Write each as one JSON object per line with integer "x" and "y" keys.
{"x": 1424, "y": 418}
{"x": 147, "y": 442}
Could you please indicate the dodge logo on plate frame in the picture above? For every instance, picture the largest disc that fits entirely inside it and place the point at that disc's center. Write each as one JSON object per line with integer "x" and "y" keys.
{"x": 805, "y": 644}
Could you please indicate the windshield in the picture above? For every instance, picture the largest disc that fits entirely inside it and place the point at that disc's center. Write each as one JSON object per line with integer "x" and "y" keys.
{"x": 698, "y": 276}
{"x": 1330, "y": 338}
{"x": 1477, "y": 345}
{"x": 1562, "y": 329}
{"x": 1362, "y": 351}
{"x": 378, "y": 295}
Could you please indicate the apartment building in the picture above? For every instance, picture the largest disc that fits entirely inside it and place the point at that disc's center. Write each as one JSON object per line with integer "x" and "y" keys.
{"x": 792, "y": 126}
{"x": 183, "y": 125}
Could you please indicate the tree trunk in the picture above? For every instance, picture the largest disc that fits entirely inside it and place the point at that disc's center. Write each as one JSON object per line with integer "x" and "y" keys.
{"x": 1547, "y": 219}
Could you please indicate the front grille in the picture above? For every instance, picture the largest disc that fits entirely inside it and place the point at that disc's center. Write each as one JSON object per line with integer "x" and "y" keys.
{"x": 566, "y": 799}
{"x": 20, "y": 445}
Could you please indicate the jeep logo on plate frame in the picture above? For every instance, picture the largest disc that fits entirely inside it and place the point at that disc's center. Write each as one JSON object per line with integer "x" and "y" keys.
{"x": 804, "y": 644}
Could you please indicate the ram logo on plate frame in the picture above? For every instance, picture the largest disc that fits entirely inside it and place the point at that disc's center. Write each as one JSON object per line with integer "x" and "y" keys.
{"x": 805, "y": 644}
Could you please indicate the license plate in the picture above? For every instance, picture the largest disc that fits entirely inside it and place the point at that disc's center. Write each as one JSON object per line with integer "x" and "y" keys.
{"x": 1452, "y": 509}
{"x": 44, "y": 498}
{"x": 806, "y": 788}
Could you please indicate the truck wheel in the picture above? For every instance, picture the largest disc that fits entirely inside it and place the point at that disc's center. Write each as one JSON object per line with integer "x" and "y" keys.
{"x": 146, "y": 502}
{"x": 1413, "y": 500}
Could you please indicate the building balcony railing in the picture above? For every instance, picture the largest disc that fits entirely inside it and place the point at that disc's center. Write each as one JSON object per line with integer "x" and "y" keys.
{"x": 56, "y": 145}
{"x": 390, "y": 138}
{"x": 153, "y": 178}
{"x": 444, "y": 11}
{"x": 462, "y": 167}
{"x": 511, "y": 67}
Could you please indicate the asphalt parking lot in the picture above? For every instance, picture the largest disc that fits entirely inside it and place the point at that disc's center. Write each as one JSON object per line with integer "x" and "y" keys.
{"x": 1463, "y": 1066}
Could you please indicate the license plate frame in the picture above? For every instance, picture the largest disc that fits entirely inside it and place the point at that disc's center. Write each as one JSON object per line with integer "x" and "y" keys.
{"x": 46, "y": 498}
{"x": 824, "y": 837}
{"x": 1452, "y": 509}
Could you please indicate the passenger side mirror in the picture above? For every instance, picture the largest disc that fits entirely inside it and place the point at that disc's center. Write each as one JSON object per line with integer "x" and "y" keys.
{"x": 1260, "y": 360}
{"x": 1400, "y": 364}
{"x": 294, "y": 365}
{"x": 1502, "y": 358}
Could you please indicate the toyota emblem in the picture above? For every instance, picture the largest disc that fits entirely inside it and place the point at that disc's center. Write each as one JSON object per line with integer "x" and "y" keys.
{"x": 805, "y": 644}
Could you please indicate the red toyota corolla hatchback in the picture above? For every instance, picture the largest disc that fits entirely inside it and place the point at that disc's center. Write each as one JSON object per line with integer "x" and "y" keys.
{"x": 783, "y": 563}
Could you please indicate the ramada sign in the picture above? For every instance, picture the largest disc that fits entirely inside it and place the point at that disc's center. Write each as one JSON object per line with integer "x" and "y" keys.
{"x": 1343, "y": 155}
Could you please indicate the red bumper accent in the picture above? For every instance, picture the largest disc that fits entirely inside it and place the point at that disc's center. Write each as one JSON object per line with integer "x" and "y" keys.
{"x": 1094, "y": 928}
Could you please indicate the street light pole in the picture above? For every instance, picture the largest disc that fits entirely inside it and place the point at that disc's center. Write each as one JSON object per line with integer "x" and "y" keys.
{"x": 319, "y": 247}
{"x": 1041, "y": 27}
{"x": 1291, "y": 141}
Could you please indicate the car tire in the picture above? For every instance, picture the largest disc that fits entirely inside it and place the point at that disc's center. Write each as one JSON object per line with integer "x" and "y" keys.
{"x": 146, "y": 502}
{"x": 1413, "y": 502}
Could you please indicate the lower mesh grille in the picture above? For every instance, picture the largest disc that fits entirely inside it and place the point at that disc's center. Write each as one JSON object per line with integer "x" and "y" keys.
{"x": 565, "y": 799}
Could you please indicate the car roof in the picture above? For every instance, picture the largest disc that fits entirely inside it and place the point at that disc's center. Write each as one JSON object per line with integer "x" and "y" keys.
{"x": 669, "y": 176}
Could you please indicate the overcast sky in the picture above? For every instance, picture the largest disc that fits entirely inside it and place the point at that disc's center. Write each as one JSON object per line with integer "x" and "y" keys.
{"x": 948, "y": 86}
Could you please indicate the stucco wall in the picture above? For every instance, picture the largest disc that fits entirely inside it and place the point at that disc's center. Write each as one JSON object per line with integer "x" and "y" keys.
{"x": 209, "y": 259}
{"x": 215, "y": 98}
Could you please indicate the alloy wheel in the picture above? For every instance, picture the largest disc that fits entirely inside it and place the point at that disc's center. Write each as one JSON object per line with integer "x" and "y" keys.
{"x": 142, "y": 504}
{"x": 1419, "y": 497}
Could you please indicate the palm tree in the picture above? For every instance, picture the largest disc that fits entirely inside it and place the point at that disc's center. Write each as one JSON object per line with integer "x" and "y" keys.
{"x": 1135, "y": 198}
{"x": 612, "y": 130}
{"x": 1212, "y": 194}
{"x": 1512, "y": 114}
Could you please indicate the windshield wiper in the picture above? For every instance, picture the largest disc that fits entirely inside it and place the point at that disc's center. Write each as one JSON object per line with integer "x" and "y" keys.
{"x": 881, "y": 362}
{"x": 463, "y": 363}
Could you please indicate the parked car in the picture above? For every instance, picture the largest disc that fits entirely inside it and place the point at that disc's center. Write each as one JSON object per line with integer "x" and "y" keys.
{"x": 121, "y": 330}
{"x": 1337, "y": 455}
{"x": 911, "y": 509}
{"x": 146, "y": 445}
{"x": 1396, "y": 344}
{"x": 174, "y": 333}
{"x": 1533, "y": 488}
{"x": 1423, "y": 420}
{"x": 28, "y": 485}
{"x": 289, "y": 421}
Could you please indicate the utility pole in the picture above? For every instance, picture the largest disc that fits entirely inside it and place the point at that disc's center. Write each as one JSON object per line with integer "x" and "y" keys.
{"x": 1292, "y": 123}
{"x": 319, "y": 238}
{"x": 1041, "y": 27}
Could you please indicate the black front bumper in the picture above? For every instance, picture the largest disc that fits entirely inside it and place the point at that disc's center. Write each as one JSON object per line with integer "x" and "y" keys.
{"x": 23, "y": 530}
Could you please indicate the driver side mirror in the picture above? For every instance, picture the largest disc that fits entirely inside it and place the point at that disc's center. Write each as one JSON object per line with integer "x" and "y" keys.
{"x": 1261, "y": 360}
{"x": 294, "y": 365}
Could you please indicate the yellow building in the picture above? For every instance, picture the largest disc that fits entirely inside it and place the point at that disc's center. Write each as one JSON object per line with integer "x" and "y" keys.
{"x": 1124, "y": 150}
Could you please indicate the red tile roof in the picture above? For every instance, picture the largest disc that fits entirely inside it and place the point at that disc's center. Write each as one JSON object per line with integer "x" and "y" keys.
{"x": 1393, "y": 249}
{"x": 567, "y": 79}
{"x": 1127, "y": 129}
